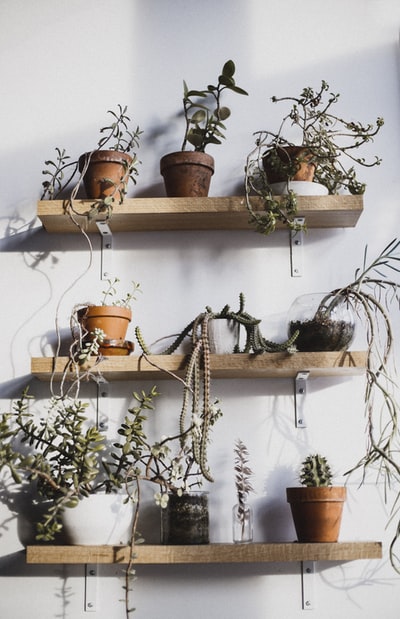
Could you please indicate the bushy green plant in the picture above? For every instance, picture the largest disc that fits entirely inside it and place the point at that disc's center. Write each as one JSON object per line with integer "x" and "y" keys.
{"x": 66, "y": 456}
{"x": 204, "y": 114}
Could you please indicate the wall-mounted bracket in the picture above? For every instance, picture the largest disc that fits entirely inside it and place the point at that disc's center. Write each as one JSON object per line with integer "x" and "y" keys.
{"x": 102, "y": 404}
{"x": 296, "y": 248}
{"x": 106, "y": 248}
{"x": 300, "y": 390}
{"x": 91, "y": 579}
{"x": 307, "y": 585}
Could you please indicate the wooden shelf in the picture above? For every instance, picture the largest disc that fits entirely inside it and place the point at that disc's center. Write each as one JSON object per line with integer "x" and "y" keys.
{"x": 267, "y": 365}
{"x": 227, "y": 213}
{"x": 207, "y": 553}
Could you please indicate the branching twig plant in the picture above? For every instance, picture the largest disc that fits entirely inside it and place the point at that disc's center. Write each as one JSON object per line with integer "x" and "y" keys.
{"x": 326, "y": 140}
{"x": 61, "y": 172}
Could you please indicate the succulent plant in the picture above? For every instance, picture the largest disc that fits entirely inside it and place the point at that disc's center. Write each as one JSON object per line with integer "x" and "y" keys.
{"x": 315, "y": 471}
{"x": 204, "y": 114}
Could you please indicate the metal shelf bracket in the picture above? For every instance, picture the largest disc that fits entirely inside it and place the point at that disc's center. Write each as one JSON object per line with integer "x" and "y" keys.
{"x": 300, "y": 390}
{"x": 102, "y": 403}
{"x": 106, "y": 248}
{"x": 91, "y": 573}
{"x": 296, "y": 248}
{"x": 307, "y": 585}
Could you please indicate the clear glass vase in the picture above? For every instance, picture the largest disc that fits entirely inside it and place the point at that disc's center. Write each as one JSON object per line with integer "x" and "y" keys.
{"x": 325, "y": 322}
{"x": 242, "y": 523}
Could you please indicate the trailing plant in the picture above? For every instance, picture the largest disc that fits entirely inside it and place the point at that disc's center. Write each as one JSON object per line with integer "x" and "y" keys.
{"x": 62, "y": 171}
{"x": 371, "y": 295}
{"x": 197, "y": 378}
{"x": 203, "y": 112}
{"x": 315, "y": 471}
{"x": 329, "y": 142}
{"x": 197, "y": 330}
{"x": 274, "y": 208}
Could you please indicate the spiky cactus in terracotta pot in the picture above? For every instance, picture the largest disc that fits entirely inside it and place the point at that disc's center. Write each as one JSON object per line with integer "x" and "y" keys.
{"x": 316, "y": 506}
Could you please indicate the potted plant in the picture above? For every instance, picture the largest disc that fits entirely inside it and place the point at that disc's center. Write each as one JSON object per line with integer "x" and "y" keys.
{"x": 197, "y": 378}
{"x": 105, "y": 171}
{"x": 188, "y": 173}
{"x": 307, "y": 154}
{"x": 317, "y": 506}
{"x": 68, "y": 460}
{"x": 103, "y": 326}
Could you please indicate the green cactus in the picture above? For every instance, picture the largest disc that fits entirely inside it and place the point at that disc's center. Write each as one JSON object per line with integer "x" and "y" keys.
{"x": 315, "y": 471}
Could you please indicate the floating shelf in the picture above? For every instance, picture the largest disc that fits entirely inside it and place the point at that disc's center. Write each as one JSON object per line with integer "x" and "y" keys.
{"x": 227, "y": 213}
{"x": 207, "y": 553}
{"x": 241, "y": 365}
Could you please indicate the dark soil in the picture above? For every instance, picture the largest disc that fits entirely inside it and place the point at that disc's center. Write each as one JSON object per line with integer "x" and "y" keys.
{"x": 315, "y": 335}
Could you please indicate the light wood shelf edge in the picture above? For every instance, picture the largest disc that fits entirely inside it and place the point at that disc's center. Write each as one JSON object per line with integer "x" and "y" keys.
{"x": 241, "y": 365}
{"x": 220, "y": 213}
{"x": 208, "y": 553}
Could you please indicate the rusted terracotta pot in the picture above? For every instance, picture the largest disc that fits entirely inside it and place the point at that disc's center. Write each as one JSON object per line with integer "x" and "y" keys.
{"x": 187, "y": 174}
{"x": 289, "y": 162}
{"x": 107, "y": 174}
{"x": 317, "y": 512}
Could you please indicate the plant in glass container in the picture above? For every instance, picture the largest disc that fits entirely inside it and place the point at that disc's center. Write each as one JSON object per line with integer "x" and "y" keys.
{"x": 313, "y": 161}
{"x": 105, "y": 171}
{"x": 242, "y": 514}
{"x": 371, "y": 296}
{"x": 188, "y": 173}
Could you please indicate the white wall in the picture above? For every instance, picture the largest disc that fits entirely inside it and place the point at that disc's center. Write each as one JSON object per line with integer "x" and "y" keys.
{"x": 63, "y": 64}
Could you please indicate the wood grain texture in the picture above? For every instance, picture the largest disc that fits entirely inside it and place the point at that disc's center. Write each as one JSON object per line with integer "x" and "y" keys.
{"x": 226, "y": 213}
{"x": 241, "y": 365}
{"x": 208, "y": 553}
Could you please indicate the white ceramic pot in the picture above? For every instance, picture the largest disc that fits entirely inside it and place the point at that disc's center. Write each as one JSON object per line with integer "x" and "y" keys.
{"x": 99, "y": 519}
{"x": 301, "y": 188}
{"x": 223, "y": 336}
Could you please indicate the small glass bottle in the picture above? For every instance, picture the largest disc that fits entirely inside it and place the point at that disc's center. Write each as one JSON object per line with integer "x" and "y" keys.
{"x": 242, "y": 523}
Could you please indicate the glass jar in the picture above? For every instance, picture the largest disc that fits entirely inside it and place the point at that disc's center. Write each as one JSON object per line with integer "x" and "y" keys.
{"x": 325, "y": 321}
{"x": 242, "y": 523}
{"x": 185, "y": 519}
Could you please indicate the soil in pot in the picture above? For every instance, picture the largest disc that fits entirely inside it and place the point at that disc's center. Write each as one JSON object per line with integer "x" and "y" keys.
{"x": 325, "y": 322}
{"x": 187, "y": 174}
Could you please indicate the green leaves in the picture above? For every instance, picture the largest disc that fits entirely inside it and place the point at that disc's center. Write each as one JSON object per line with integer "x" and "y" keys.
{"x": 204, "y": 113}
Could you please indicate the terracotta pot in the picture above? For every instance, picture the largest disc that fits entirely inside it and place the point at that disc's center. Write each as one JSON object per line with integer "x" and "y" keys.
{"x": 317, "y": 512}
{"x": 107, "y": 174}
{"x": 294, "y": 164}
{"x": 111, "y": 319}
{"x": 187, "y": 174}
